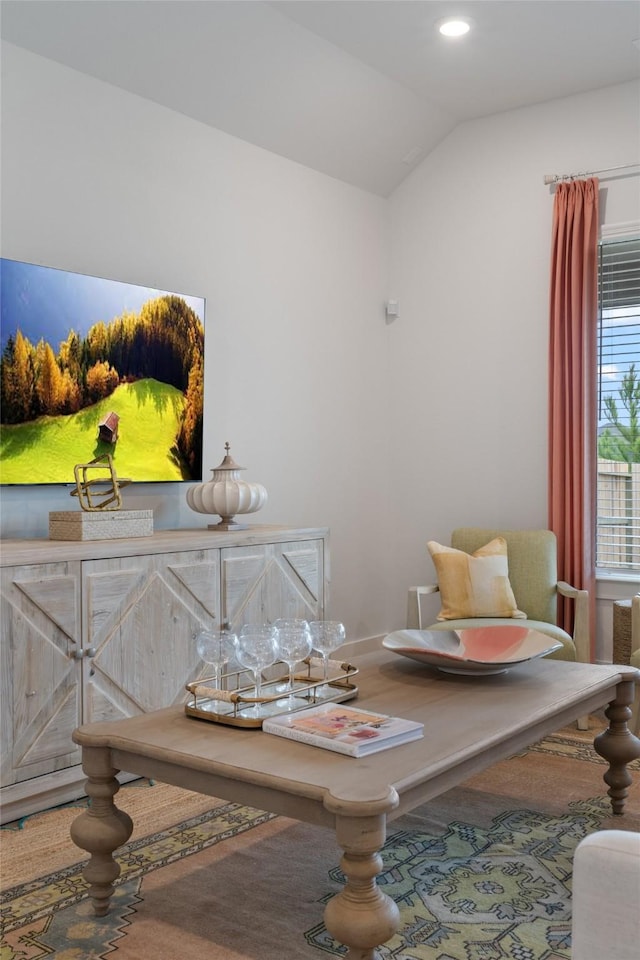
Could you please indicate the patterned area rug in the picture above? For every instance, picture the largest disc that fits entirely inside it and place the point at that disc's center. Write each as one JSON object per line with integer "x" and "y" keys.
{"x": 483, "y": 893}
{"x": 31, "y": 901}
{"x": 478, "y": 875}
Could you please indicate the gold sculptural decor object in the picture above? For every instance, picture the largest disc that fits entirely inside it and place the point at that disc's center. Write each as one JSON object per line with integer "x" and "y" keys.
{"x": 101, "y": 492}
{"x": 101, "y": 517}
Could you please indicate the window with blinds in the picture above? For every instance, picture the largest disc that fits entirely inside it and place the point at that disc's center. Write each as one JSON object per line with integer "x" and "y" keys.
{"x": 618, "y": 487}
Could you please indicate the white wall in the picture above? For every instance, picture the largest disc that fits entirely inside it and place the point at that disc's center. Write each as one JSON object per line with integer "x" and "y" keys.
{"x": 470, "y": 243}
{"x": 293, "y": 265}
{"x": 388, "y": 434}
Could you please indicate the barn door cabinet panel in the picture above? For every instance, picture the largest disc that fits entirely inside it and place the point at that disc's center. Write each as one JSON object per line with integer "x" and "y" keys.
{"x": 104, "y": 629}
{"x": 41, "y": 675}
{"x": 264, "y": 582}
{"x": 140, "y": 617}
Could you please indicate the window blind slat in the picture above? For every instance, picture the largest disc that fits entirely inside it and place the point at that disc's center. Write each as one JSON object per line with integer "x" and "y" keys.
{"x": 618, "y": 481}
{"x": 619, "y": 274}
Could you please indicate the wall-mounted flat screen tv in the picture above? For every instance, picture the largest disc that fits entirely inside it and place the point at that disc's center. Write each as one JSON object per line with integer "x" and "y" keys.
{"x": 92, "y": 366}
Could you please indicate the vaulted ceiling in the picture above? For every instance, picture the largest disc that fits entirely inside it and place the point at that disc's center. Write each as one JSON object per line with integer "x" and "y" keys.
{"x": 361, "y": 90}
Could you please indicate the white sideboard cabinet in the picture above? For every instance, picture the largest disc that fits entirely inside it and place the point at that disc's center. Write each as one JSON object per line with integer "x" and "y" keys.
{"x": 98, "y": 630}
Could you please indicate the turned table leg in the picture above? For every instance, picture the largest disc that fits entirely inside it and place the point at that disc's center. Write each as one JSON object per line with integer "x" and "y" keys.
{"x": 361, "y": 916}
{"x": 618, "y": 745}
{"x": 102, "y": 828}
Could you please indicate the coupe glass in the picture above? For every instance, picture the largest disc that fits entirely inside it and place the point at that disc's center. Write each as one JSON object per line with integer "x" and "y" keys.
{"x": 257, "y": 648}
{"x": 216, "y": 647}
{"x": 326, "y": 636}
{"x": 294, "y": 641}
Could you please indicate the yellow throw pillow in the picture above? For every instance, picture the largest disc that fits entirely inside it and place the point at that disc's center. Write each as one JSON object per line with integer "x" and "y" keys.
{"x": 474, "y": 585}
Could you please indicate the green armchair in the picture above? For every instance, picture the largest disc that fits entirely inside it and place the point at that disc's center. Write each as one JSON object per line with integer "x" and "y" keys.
{"x": 533, "y": 573}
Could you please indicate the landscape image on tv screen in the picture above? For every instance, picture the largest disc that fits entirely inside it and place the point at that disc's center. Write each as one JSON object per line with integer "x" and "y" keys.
{"x": 92, "y": 366}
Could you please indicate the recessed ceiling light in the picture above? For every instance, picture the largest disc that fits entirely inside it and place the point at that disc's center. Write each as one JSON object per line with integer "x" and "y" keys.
{"x": 454, "y": 27}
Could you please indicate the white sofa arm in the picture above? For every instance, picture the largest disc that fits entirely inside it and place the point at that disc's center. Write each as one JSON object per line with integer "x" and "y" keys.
{"x": 606, "y": 892}
{"x": 414, "y": 610}
{"x": 581, "y": 632}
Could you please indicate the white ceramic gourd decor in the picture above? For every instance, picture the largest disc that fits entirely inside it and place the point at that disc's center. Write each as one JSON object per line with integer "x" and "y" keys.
{"x": 226, "y": 495}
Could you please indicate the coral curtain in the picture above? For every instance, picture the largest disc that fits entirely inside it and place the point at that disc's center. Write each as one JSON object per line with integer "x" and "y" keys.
{"x": 572, "y": 387}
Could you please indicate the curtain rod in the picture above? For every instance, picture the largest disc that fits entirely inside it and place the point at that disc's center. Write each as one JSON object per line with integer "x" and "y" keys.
{"x": 557, "y": 177}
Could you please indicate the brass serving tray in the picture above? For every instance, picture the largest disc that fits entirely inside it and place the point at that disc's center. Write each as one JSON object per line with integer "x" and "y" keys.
{"x": 230, "y": 702}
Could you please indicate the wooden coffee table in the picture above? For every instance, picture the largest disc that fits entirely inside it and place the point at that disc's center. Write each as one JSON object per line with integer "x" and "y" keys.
{"x": 470, "y": 724}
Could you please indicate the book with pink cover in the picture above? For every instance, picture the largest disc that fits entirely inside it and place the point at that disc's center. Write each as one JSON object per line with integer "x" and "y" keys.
{"x": 344, "y": 729}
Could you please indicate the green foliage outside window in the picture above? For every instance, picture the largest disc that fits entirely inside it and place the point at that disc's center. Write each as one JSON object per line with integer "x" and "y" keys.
{"x": 621, "y": 441}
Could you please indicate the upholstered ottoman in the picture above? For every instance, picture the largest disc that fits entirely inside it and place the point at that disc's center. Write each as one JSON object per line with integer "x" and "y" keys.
{"x": 606, "y": 897}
